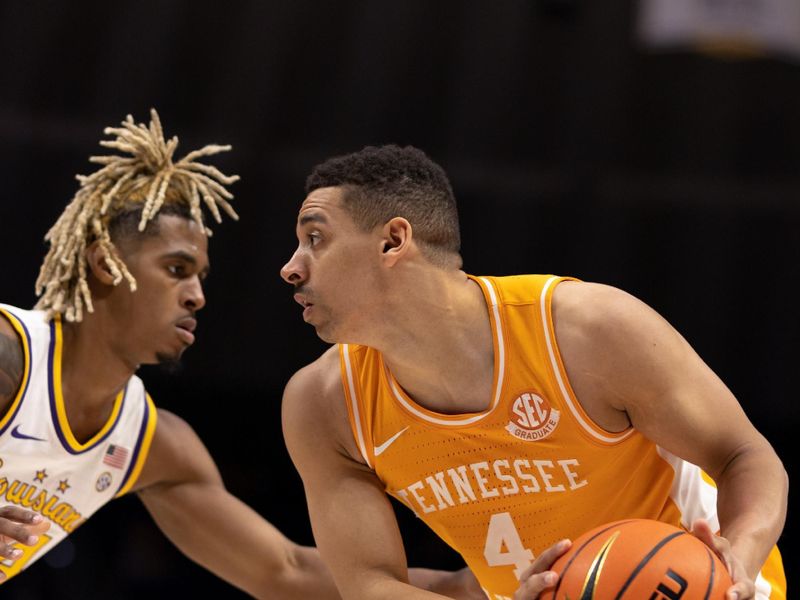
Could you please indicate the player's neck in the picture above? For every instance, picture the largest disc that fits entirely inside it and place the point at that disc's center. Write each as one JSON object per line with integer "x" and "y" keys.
{"x": 92, "y": 371}
{"x": 438, "y": 344}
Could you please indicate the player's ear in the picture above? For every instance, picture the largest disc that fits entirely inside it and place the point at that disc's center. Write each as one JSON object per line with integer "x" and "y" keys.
{"x": 396, "y": 240}
{"x": 96, "y": 261}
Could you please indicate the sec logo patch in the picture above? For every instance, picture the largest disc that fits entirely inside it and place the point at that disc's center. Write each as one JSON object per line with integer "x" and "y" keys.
{"x": 531, "y": 418}
{"x": 103, "y": 482}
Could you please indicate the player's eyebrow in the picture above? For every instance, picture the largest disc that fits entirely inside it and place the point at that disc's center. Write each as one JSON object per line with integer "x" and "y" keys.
{"x": 313, "y": 217}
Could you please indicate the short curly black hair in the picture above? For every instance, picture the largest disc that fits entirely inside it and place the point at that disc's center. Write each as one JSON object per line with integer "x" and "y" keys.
{"x": 383, "y": 182}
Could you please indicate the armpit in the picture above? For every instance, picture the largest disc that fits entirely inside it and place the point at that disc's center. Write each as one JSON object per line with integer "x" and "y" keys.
{"x": 12, "y": 363}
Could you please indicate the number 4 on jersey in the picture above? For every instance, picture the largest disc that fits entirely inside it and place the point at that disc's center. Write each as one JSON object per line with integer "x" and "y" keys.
{"x": 504, "y": 546}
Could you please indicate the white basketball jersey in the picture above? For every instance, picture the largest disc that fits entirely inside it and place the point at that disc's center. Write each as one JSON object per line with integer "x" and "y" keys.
{"x": 43, "y": 467}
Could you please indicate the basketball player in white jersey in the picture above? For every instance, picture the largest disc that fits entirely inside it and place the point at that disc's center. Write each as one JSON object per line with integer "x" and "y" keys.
{"x": 121, "y": 286}
{"x": 507, "y": 412}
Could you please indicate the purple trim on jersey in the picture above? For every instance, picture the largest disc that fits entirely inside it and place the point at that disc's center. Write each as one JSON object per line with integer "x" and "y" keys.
{"x": 29, "y": 358}
{"x": 137, "y": 448}
{"x": 54, "y": 412}
{"x": 50, "y": 386}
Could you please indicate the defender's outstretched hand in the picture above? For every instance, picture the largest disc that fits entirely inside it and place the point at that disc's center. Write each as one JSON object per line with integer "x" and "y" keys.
{"x": 537, "y": 578}
{"x": 19, "y": 525}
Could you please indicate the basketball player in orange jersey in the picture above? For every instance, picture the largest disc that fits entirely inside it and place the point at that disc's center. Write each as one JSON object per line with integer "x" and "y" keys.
{"x": 509, "y": 413}
{"x": 77, "y": 428}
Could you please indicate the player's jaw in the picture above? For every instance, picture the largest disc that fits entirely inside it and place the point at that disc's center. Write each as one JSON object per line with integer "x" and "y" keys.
{"x": 171, "y": 339}
{"x": 315, "y": 312}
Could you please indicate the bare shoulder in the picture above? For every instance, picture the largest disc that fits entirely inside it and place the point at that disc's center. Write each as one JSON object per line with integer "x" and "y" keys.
{"x": 616, "y": 350}
{"x": 314, "y": 407}
{"x": 598, "y": 307}
{"x": 5, "y": 326}
{"x": 176, "y": 454}
{"x": 320, "y": 379}
{"x": 601, "y": 319}
{"x": 12, "y": 363}
{"x": 172, "y": 431}
{"x": 314, "y": 388}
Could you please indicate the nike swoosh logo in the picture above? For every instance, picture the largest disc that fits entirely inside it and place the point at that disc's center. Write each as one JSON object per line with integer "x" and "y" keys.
{"x": 590, "y": 586}
{"x": 23, "y": 436}
{"x": 382, "y": 448}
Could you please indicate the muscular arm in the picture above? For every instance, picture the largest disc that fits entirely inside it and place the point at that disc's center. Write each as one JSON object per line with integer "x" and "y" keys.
{"x": 183, "y": 491}
{"x": 353, "y": 521}
{"x": 11, "y": 364}
{"x": 627, "y": 365}
{"x": 16, "y": 524}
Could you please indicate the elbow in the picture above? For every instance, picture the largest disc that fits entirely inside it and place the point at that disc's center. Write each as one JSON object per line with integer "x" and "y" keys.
{"x": 784, "y": 477}
{"x": 296, "y": 573}
{"x": 785, "y": 483}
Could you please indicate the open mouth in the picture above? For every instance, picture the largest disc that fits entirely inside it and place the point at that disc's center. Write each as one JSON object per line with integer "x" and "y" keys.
{"x": 302, "y": 301}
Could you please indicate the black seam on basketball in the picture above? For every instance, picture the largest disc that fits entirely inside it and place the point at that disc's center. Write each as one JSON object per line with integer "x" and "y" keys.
{"x": 710, "y": 579}
{"x": 579, "y": 550}
{"x": 647, "y": 559}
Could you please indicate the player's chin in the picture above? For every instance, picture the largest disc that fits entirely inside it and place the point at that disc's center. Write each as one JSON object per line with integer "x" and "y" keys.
{"x": 169, "y": 361}
{"x": 326, "y": 334}
{"x": 170, "y": 352}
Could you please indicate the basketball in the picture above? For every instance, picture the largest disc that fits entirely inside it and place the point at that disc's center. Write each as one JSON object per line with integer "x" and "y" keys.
{"x": 639, "y": 558}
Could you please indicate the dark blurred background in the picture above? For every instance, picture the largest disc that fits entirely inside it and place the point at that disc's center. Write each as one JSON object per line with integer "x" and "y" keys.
{"x": 574, "y": 147}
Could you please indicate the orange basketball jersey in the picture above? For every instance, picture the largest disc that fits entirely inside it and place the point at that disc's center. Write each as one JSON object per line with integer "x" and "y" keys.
{"x": 502, "y": 485}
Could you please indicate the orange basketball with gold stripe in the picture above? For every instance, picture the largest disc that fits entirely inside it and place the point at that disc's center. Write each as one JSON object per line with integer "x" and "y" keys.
{"x": 639, "y": 559}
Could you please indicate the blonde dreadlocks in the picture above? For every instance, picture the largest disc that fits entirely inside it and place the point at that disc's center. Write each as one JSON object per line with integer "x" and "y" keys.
{"x": 144, "y": 180}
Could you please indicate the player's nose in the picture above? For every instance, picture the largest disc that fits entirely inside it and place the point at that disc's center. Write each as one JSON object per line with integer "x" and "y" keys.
{"x": 193, "y": 296}
{"x": 294, "y": 271}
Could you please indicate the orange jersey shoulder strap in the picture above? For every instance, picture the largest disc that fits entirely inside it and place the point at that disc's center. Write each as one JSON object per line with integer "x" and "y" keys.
{"x": 359, "y": 411}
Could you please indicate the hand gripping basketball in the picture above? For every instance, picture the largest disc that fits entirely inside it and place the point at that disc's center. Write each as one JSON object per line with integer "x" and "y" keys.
{"x": 640, "y": 558}
{"x": 742, "y": 584}
{"x": 538, "y": 577}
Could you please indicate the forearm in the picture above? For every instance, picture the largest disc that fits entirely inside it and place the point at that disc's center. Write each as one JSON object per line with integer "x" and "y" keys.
{"x": 460, "y": 584}
{"x": 227, "y": 537}
{"x": 386, "y": 588}
{"x": 752, "y": 502}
